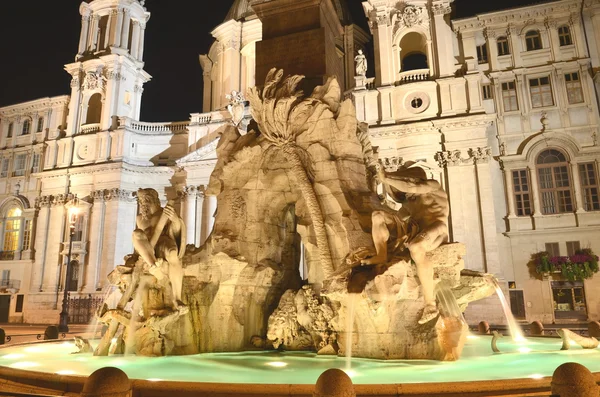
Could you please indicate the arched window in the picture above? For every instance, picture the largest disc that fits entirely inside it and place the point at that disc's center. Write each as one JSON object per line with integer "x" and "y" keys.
{"x": 26, "y": 127}
{"x": 503, "y": 48}
{"x": 533, "y": 40}
{"x": 40, "y": 125}
{"x": 413, "y": 54}
{"x": 564, "y": 36}
{"x": 11, "y": 126}
{"x": 555, "y": 182}
{"x": 94, "y": 111}
{"x": 13, "y": 221}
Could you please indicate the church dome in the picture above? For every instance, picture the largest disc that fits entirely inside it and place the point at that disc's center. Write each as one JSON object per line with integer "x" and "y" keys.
{"x": 241, "y": 10}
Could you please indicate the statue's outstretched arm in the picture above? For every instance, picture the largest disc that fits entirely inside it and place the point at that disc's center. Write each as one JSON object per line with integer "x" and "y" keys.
{"x": 413, "y": 185}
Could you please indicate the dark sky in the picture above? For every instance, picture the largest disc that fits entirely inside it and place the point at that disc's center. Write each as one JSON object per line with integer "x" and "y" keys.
{"x": 36, "y": 43}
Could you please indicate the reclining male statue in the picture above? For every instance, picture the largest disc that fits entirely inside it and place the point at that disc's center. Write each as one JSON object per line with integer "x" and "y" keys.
{"x": 420, "y": 226}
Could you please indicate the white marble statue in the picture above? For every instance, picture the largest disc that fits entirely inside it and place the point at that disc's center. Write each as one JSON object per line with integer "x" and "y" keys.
{"x": 160, "y": 241}
{"x": 361, "y": 64}
{"x": 420, "y": 226}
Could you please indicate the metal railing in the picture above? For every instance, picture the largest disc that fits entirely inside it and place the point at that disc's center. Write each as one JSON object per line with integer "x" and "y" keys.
{"x": 15, "y": 284}
{"x": 7, "y": 255}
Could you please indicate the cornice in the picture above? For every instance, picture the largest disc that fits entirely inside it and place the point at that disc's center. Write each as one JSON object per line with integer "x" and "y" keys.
{"x": 34, "y": 106}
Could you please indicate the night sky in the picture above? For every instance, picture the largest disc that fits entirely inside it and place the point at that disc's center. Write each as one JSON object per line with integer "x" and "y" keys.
{"x": 38, "y": 38}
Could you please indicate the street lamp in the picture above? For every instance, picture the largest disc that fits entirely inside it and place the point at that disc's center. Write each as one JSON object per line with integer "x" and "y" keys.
{"x": 63, "y": 325}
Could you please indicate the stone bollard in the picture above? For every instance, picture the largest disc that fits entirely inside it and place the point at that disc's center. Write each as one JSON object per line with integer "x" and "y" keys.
{"x": 573, "y": 380}
{"x": 536, "y": 328}
{"x": 107, "y": 382}
{"x": 483, "y": 328}
{"x": 51, "y": 332}
{"x": 594, "y": 329}
{"x": 333, "y": 383}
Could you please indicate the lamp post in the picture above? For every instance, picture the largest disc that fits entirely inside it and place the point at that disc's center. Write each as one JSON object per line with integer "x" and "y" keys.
{"x": 63, "y": 325}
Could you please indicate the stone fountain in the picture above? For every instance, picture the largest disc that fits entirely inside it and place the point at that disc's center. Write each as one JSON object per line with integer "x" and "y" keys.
{"x": 303, "y": 179}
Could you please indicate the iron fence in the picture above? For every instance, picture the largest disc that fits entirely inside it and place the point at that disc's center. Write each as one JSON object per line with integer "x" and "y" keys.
{"x": 82, "y": 309}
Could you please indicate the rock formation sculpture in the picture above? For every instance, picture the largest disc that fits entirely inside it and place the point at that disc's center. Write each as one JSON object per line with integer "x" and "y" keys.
{"x": 299, "y": 184}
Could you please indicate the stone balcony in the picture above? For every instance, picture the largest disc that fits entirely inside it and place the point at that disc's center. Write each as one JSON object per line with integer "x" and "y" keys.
{"x": 413, "y": 76}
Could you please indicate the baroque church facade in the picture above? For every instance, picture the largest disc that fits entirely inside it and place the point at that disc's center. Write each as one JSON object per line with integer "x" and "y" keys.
{"x": 501, "y": 108}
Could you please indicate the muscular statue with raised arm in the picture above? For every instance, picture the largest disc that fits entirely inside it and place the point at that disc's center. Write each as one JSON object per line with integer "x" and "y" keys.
{"x": 160, "y": 240}
{"x": 420, "y": 226}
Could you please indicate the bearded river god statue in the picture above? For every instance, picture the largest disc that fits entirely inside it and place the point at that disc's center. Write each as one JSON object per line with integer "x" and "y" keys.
{"x": 302, "y": 176}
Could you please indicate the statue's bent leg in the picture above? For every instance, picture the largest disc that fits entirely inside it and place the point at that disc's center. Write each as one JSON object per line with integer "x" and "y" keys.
{"x": 142, "y": 245}
{"x": 175, "y": 275}
{"x": 382, "y": 221}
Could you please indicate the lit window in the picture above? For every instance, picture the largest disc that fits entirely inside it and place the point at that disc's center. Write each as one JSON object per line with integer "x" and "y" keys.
{"x": 589, "y": 185}
{"x": 27, "y": 234}
{"x": 78, "y": 231}
{"x": 574, "y": 90}
{"x": 564, "y": 36}
{"x": 487, "y": 91}
{"x": 522, "y": 193}
{"x": 26, "y": 127}
{"x": 503, "y": 48}
{"x": 40, "y": 125}
{"x": 482, "y": 55}
{"x": 509, "y": 96}
{"x": 555, "y": 182}
{"x": 533, "y": 40}
{"x": 541, "y": 92}
{"x": 12, "y": 230}
{"x": 20, "y": 161}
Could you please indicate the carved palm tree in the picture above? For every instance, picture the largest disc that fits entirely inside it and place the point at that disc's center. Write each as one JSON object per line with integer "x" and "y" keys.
{"x": 282, "y": 116}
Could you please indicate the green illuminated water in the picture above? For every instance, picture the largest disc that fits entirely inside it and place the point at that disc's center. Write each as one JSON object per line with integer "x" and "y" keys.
{"x": 536, "y": 357}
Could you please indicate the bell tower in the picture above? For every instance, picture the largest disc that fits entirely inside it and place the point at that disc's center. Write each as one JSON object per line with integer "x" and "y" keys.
{"x": 107, "y": 75}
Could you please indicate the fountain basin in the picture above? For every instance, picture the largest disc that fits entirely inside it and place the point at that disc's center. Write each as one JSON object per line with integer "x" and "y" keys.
{"x": 51, "y": 368}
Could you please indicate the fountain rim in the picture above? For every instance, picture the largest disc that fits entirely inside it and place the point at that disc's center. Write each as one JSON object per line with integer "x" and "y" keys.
{"x": 45, "y": 383}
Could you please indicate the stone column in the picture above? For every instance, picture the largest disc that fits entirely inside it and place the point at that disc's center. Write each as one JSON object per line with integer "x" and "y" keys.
{"x": 492, "y": 49}
{"x": 125, "y": 32}
{"x": 189, "y": 216}
{"x": 200, "y": 236}
{"x": 207, "y": 65}
{"x": 515, "y": 45}
{"x": 510, "y": 193}
{"x": 118, "y": 28}
{"x": 108, "y": 31}
{"x": 95, "y": 32}
{"x": 142, "y": 33}
{"x": 135, "y": 39}
{"x": 536, "y": 200}
{"x": 92, "y": 274}
{"x": 382, "y": 39}
{"x": 41, "y": 242}
{"x": 55, "y": 239}
{"x": 83, "y": 39}
{"x": 443, "y": 40}
{"x": 577, "y": 186}
{"x": 211, "y": 209}
{"x": 577, "y": 35}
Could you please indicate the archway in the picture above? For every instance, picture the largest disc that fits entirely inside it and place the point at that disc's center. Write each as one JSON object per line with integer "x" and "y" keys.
{"x": 413, "y": 54}
{"x": 94, "y": 111}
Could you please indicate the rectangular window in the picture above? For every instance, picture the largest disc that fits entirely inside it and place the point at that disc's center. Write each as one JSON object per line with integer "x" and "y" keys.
{"x": 20, "y": 161}
{"x": 564, "y": 36}
{"x": 19, "y": 305}
{"x": 589, "y": 186}
{"x": 482, "y": 53}
{"x": 522, "y": 193}
{"x": 509, "y": 96}
{"x": 4, "y": 172}
{"x": 487, "y": 91}
{"x": 573, "y": 247}
{"x": 5, "y": 278}
{"x": 553, "y": 249}
{"x": 541, "y": 92}
{"x": 11, "y": 235}
{"x": 555, "y": 190}
{"x": 574, "y": 90}
{"x": 35, "y": 162}
{"x": 40, "y": 125}
{"x": 27, "y": 234}
{"x": 11, "y": 126}
{"x": 503, "y": 48}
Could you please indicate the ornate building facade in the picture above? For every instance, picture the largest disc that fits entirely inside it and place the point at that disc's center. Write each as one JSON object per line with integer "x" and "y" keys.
{"x": 501, "y": 108}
